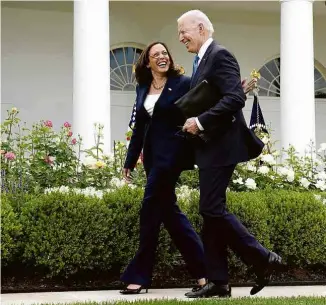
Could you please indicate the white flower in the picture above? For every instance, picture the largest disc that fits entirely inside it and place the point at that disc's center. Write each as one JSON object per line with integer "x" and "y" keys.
{"x": 238, "y": 181}
{"x": 268, "y": 159}
{"x": 250, "y": 167}
{"x": 196, "y": 166}
{"x": 283, "y": 171}
{"x": 132, "y": 186}
{"x": 90, "y": 162}
{"x": 321, "y": 176}
{"x": 184, "y": 192}
{"x": 89, "y": 192}
{"x": 109, "y": 157}
{"x": 272, "y": 177}
{"x": 263, "y": 170}
{"x": 321, "y": 185}
{"x": 265, "y": 140}
{"x": 64, "y": 189}
{"x": 290, "y": 175}
{"x": 324, "y": 201}
{"x": 318, "y": 197}
{"x": 319, "y": 162}
{"x": 322, "y": 147}
{"x": 116, "y": 182}
{"x": 250, "y": 184}
{"x": 304, "y": 182}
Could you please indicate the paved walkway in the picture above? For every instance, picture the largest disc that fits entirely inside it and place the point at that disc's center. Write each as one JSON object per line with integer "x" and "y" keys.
{"x": 113, "y": 295}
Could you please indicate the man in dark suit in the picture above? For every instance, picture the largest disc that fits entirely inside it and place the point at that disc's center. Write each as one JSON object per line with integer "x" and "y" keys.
{"x": 230, "y": 142}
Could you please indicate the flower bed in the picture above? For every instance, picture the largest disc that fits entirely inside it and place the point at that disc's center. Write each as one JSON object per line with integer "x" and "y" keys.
{"x": 39, "y": 158}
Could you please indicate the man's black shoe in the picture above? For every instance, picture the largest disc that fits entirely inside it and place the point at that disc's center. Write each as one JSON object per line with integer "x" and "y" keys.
{"x": 210, "y": 290}
{"x": 274, "y": 264}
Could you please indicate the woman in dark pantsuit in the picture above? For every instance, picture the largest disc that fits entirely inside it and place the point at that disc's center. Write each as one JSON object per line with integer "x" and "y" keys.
{"x": 165, "y": 156}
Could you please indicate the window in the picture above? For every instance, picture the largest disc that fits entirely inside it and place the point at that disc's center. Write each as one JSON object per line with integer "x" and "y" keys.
{"x": 320, "y": 85}
{"x": 122, "y": 60}
{"x": 269, "y": 83}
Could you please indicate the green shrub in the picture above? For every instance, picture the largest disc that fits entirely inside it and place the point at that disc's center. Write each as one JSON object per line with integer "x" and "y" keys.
{"x": 297, "y": 224}
{"x": 11, "y": 229}
{"x": 67, "y": 233}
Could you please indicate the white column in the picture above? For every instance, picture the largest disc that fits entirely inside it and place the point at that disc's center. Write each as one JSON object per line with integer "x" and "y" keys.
{"x": 297, "y": 74}
{"x": 91, "y": 94}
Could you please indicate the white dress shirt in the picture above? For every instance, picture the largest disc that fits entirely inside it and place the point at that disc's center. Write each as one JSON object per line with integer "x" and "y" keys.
{"x": 150, "y": 102}
{"x": 201, "y": 54}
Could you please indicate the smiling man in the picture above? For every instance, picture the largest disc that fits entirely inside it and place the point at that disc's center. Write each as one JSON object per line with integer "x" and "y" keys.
{"x": 231, "y": 142}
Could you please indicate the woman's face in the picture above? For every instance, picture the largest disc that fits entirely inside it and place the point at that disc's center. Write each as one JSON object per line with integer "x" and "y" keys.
{"x": 159, "y": 60}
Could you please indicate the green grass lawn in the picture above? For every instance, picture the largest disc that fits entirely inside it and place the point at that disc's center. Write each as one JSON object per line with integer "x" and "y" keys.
{"x": 242, "y": 301}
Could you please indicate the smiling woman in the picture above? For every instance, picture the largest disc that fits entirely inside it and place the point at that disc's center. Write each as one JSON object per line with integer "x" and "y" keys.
{"x": 165, "y": 155}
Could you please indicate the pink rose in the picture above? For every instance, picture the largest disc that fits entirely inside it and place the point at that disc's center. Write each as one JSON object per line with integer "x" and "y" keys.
{"x": 73, "y": 141}
{"x": 48, "y": 123}
{"x": 49, "y": 159}
{"x": 10, "y": 155}
{"x": 67, "y": 124}
{"x": 69, "y": 134}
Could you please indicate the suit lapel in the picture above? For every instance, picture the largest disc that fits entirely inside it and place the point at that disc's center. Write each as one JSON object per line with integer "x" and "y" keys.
{"x": 202, "y": 64}
{"x": 143, "y": 90}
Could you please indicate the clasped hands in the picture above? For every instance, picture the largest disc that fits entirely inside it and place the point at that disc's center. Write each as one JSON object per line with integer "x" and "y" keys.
{"x": 191, "y": 126}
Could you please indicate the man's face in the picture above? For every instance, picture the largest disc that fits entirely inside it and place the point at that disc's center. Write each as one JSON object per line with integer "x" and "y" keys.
{"x": 190, "y": 35}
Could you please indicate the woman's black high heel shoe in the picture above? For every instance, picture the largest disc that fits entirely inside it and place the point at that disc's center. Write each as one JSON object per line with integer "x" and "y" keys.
{"x": 133, "y": 291}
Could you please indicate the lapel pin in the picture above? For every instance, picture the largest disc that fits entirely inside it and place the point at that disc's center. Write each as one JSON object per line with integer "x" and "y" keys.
{"x": 170, "y": 89}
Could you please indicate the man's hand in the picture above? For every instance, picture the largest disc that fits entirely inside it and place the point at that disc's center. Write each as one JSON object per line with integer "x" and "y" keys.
{"x": 127, "y": 174}
{"x": 250, "y": 86}
{"x": 191, "y": 126}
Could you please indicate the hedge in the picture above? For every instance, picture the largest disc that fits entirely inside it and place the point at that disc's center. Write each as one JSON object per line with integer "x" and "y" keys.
{"x": 67, "y": 233}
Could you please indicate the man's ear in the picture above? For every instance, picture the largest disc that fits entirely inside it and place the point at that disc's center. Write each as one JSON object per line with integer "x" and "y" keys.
{"x": 201, "y": 28}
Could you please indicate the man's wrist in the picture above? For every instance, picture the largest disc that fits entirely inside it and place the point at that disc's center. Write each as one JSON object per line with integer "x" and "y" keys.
{"x": 200, "y": 127}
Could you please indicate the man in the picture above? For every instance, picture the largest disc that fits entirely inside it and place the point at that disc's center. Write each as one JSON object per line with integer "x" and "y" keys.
{"x": 230, "y": 142}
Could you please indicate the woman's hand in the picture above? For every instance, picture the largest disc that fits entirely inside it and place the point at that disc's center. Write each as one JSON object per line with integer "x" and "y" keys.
{"x": 127, "y": 174}
{"x": 250, "y": 86}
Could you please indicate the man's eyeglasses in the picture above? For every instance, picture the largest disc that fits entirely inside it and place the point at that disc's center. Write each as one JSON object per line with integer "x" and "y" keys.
{"x": 157, "y": 54}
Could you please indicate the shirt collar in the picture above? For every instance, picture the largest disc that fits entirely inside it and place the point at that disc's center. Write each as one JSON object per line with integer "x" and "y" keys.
{"x": 204, "y": 48}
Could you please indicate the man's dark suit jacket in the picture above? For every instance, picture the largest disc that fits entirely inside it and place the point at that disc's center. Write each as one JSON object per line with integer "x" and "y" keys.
{"x": 162, "y": 148}
{"x": 231, "y": 142}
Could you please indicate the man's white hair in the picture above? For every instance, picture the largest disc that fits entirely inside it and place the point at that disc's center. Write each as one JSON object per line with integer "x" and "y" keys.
{"x": 197, "y": 17}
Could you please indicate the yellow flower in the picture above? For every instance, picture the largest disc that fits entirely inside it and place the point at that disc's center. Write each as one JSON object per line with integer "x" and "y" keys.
{"x": 180, "y": 69}
{"x": 255, "y": 74}
{"x": 99, "y": 164}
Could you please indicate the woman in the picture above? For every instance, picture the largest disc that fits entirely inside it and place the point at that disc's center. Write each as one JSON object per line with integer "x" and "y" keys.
{"x": 165, "y": 156}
